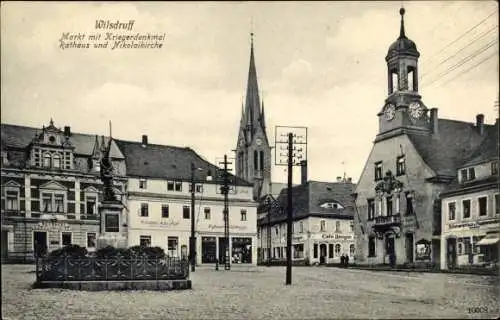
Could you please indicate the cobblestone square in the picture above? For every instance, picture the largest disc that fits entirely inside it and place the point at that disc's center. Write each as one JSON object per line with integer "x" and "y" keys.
{"x": 260, "y": 293}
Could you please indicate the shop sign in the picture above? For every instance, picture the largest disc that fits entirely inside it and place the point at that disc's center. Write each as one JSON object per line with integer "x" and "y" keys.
{"x": 470, "y": 225}
{"x": 231, "y": 227}
{"x": 297, "y": 239}
{"x": 163, "y": 223}
{"x": 51, "y": 226}
{"x": 337, "y": 236}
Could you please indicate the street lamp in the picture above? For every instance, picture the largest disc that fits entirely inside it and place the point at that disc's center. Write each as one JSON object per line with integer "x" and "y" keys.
{"x": 192, "y": 239}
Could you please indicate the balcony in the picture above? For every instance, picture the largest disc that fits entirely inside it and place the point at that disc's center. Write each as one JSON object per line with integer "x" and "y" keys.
{"x": 384, "y": 224}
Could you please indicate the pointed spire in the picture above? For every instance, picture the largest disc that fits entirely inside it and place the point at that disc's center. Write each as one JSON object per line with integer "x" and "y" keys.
{"x": 262, "y": 116}
{"x": 252, "y": 97}
{"x": 51, "y": 122}
{"x": 402, "y": 30}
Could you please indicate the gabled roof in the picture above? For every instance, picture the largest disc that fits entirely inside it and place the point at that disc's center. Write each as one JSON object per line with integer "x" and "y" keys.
{"x": 488, "y": 150}
{"x": 15, "y": 136}
{"x": 446, "y": 151}
{"x": 167, "y": 162}
{"x": 307, "y": 200}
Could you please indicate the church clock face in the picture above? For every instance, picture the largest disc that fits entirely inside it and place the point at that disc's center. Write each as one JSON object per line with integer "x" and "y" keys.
{"x": 389, "y": 111}
{"x": 416, "y": 110}
{"x": 258, "y": 141}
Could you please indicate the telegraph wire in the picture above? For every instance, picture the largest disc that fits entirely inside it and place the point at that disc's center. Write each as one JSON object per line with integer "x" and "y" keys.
{"x": 494, "y": 54}
{"x": 460, "y": 50}
{"x": 463, "y": 61}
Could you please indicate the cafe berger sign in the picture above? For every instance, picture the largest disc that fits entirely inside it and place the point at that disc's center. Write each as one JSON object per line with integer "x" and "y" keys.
{"x": 335, "y": 237}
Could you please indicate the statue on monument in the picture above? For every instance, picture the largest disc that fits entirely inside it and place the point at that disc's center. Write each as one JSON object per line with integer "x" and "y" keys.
{"x": 107, "y": 174}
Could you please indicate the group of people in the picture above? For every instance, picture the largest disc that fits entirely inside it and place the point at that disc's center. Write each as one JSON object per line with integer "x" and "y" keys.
{"x": 344, "y": 260}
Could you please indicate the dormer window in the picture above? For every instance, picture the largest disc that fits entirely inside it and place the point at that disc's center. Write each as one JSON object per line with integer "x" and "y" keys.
{"x": 468, "y": 174}
{"x": 56, "y": 161}
{"x": 332, "y": 205}
{"x": 52, "y": 139}
{"x": 494, "y": 168}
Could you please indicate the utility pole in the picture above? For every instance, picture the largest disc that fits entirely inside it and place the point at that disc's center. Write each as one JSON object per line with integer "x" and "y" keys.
{"x": 192, "y": 239}
{"x": 225, "y": 191}
{"x": 294, "y": 156}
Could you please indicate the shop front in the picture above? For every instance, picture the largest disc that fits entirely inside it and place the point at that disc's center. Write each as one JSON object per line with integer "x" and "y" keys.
{"x": 328, "y": 248}
{"x": 241, "y": 250}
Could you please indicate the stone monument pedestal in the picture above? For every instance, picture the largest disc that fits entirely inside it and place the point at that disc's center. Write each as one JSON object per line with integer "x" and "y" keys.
{"x": 112, "y": 231}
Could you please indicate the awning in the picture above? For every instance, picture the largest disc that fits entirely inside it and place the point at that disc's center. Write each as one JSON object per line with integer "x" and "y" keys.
{"x": 489, "y": 240}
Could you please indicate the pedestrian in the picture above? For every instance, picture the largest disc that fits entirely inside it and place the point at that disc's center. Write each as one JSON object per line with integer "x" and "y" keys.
{"x": 346, "y": 261}
{"x": 342, "y": 259}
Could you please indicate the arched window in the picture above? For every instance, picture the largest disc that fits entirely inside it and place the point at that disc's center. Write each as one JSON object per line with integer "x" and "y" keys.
{"x": 56, "y": 161}
{"x": 255, "y": 159}
{"x": 262, "y": 160}
{"x": 337, "y": 250}
{"x": 351, "y": 250}
{"x": 47, "y": 160}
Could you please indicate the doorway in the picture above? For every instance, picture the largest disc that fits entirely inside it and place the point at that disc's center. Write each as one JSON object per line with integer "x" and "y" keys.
{"x": 451, "y": 256}
{"x": 5, "y": 245}
{"x": 409, "y": 247}
{"x": 389, "y": 248}
{"x": 40, "y": 243}
{"x": 322, "y": 253}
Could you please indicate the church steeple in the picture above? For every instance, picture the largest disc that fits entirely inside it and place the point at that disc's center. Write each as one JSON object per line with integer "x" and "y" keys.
{"x": 252, "y": 108}
{"x": 402, "y": 28}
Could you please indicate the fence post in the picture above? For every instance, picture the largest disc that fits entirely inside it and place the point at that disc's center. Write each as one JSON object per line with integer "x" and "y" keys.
{"x": 106, "y": 268}
{"x": 37, "y": 270}
{"x": 156, "y": 269}
{"x": 66, "y": 268}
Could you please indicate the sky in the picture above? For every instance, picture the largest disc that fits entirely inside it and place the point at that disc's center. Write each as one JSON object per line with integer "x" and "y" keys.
{"x": 319, "y": 64}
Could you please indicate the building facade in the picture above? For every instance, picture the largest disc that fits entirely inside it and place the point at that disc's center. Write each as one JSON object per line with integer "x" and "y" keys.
{"x": 253, "y": 150}
{"x": 159, "y": 204}
{"x": 51, "y": 189}
{"x": 413, "y": 159}
{"x": 322, "y": 223}
{"x": 471, "y": 210}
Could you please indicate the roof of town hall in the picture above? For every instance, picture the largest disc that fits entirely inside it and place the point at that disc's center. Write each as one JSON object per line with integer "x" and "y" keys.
{"x": 307, "y": 199}
{"x": 454, "y": 143}
{"x": 167, "y": 162}
{"x": 19, "y": 137}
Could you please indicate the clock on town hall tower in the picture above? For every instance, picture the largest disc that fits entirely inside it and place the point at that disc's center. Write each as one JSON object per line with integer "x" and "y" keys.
{"x": 403, "y": 108}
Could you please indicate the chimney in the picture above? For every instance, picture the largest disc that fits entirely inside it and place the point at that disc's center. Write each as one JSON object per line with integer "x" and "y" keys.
{"x": 349, "y": 180}
{"x": 303, "y": 172}
{"x": 144, "y": 140}
{"x": 67, "y": 131}
{"x": 339, "y": 179}
{"x": 434, "y": 120}
{"x": 480, "y": 123}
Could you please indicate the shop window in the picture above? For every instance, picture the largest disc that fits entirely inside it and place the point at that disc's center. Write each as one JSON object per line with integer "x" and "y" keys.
{"x": 371, "y": 209}
{"x": 66, "y": 238}
{"x": 378, "y": 171}
{"x": 164, "y": 210}
{"x": 298, "y": 251}
{"x": 178, "y": 186}
{"x": 371, "y": 246}
{"x": 241, "y": 250}
{"x": 330, "y": 250}
{"x": 185, "y": 212}
{"x": 337, "y": 250}
{"x": 172, "y": 246}
{"x": 467, "y": 246}
{"x": 400, "y": 166}
{"x": 144, "y": 210}
{"x": 315, "y": 251}
{"x": 170, "y": 185}
{"x": 409, "y": 203}
{"x": 351, "y": 250}
{"x": 460, "y": 248}
{"x": 451, "y": 210}
{"x": 145, "y": 241}
{"x": 482, "y": 203}
{"x": 12, "y": 199}
{"x": 91, "y": 240}
{"x": 243, "y": 214}
{"x": 143, "y": 184}
{"x": 207, "y": 213}
{"x": 322, "y": 225}
{"x": 466, "y": 208}
{"x": 337, "y": 226}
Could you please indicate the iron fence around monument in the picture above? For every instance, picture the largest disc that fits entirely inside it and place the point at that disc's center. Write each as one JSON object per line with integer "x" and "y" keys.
{"x": 111, "y": 269}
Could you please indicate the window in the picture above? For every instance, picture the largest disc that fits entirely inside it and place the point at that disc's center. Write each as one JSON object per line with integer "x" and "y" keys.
{"x": 330, "y": 250}
{"x": 301, "y": 227}
{"x": 185, "y": 212}
{"x": 482, "y": 203}
{"x": 337, "y": 250}
{"x": 451, "y": 210}
{"x": 91, "y": 205}
{"x": 337, "y": 226}
{"x": 59, "y": 202}
{"x": 466, "y": 208}
{"x": 145, "y": 241}
{"x": 371, "y": 246}
{"x": 12, "y": 200}
{"x": 47, "y": 159}
{"x": 178, "y": 186}
{"x": 371, "y": 209}
{"x": 400, "y": 166}
{"x": 322, "y": 225}
{"x": 460, "y": 248}
{"x": 315, "y": 251}
{"x": 409, "y": 204}
{"x": 351, "y": 225}
{"x": 255, "y": 160}
{"x": 378, "y": 171}
{"x": 198, "y": 188}
{"x": 467, "y": 246}
{"x": 164, "y": 210}
{"x": 143, "y": 184}
{"x": 207, "y": 213}
{"x": 66, "y": 238}
{"x": 172, "y": 245}
{"x": 170, "y": 185}
{"x": 243, "y": 213}
{"x": 472, "y": 174}
{"x": 494, "y": 168}
{"x": 91, "y": 239}
{"x": 463, "y": 173}
{"x": 47, "y": 202}
{"x": 56, "y": 161}
{"x": 261, "y": 158}
{"x": 277, "y": 231}
{"x": 351, "y": 250}
{"x": 144, "y": 210}
{"x": 388, "y": 206}
{"x": 497, "y": 203}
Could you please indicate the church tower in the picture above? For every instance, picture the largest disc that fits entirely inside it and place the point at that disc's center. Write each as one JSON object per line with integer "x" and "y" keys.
{"x": 253, "y": 153}
{"x": 403, "y": 110}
